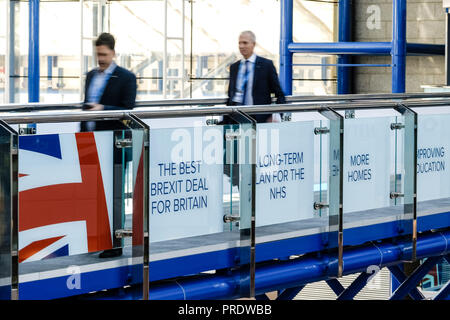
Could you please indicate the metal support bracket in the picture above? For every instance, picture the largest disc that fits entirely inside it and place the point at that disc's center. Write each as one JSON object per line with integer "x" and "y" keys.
{"x": 230, "y": 218}
{"x": 123, "y": 143}
{"x": 232, "y": 136}
{"x": 27, "y": 130}
{"x": 321, "y": 130}
{"x": 395, "y": 195}
{"x": 320, "y": 205}
{"x": 212, "y": 122}
{"x": 123, "y": 233}
{"x": 349, "y": 114}
{"x": 287, "y": 117}
{"x": 397, "y": 126}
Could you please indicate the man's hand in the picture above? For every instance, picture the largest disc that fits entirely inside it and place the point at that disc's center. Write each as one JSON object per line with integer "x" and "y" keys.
{"x": 95, "y": 107}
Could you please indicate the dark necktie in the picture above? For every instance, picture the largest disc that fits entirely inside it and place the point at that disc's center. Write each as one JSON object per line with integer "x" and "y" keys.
{"x": 247, "y": 64}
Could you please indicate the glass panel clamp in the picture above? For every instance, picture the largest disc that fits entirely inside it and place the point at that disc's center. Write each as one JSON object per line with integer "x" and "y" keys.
{"x": 397, "y": 126}
{"x": 320, "y": 205}
{"x": 123, "y": 143}
{"x": 321, "y": 130}
{"x": 123, "y": 233}
{"x": 394, "y": 195}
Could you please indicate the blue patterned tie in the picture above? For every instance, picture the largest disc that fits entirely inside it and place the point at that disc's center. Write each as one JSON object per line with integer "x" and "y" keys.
{"x": 244, "y": 98}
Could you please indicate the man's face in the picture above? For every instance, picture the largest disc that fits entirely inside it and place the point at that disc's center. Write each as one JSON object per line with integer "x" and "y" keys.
{"x": 104, "y": 56}
{"x": 246, "y": 45}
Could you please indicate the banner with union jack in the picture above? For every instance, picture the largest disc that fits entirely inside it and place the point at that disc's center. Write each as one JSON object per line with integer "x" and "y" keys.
{"x": 65, "y": 194}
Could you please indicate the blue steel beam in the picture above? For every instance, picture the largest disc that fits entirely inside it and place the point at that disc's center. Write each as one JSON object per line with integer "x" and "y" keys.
{"x": 355, "y": 287}
{"x": 290, "y": 293}
{"x": 425, "y": 49}
{"x": 345, "y": 34}
{"x": 33, "y": 55}
{"x": 400, "y": 277}
{"x": 336, "y": 286}
{"x": 211, "y": 287}
{"x": 357, "y": 48}
{"x": 364, "y": 48}
{"x": 341, "y": 65}
{"x": 399, "y": 46}
{"x": 33, "y": 52}
{"x": 286, "y": 274}
{"x": 286, "y": 38}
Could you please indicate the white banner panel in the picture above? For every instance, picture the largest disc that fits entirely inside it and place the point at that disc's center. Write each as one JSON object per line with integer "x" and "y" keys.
{"x": 367, "y": 149}
{"x": 284, "y": 172}
{"x": 433, "y": 179}
{"x": 186, "y": 182}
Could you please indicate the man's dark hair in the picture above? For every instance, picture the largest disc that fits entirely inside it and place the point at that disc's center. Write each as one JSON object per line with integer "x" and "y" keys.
{"x": 105, "y": 39}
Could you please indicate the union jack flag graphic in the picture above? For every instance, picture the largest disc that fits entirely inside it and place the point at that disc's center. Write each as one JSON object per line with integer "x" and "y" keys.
{"x": 65, "y": 194}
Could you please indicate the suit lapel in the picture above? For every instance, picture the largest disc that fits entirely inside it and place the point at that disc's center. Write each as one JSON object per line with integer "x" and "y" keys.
{"x": 256, "y": 72}
{"x": 87, "y": 84}
{"x": 110, "y": 83}
{"x": 234, "y": 69}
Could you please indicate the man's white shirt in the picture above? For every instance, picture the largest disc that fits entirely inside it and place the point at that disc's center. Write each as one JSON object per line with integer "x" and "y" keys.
{"x": 239, "y": 95}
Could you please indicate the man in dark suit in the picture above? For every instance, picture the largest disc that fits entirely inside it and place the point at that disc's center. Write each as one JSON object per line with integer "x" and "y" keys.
{"x": 253, "y": 79}
{"x": 108, "y": 87}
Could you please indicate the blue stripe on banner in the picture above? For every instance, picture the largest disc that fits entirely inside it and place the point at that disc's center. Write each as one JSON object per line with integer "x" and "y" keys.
{"x": 47, "y": 144}
{"x": 61, "y": 252}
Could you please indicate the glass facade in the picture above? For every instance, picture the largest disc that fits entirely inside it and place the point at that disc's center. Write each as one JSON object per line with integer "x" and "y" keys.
{"x": 312, "y": 73}
{"x": 15, "y": 19}
{"x": 59, "y": 53}
{"x": 3, "y": 40}
{"x": 176, "y": 48}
